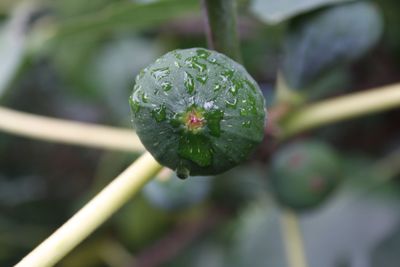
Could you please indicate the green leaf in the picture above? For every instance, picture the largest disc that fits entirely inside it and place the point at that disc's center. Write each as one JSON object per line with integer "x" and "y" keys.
{"x": 259, "y": 239}
{"x": 127, "y": 14}
{"x": 338, "y": 35}
{"x": 273, "y": 11}
{"x": 387, "y": 252}
{"x": 348, "y": 227}
{"x": 13, "y": 37}
{"x": 174, "y": 194}
{"x": 114, "y": 65}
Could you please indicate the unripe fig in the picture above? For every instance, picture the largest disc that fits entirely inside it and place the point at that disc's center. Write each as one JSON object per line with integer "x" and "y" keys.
{"x": 197, "y": 111}
{"x": 303, "y": 175}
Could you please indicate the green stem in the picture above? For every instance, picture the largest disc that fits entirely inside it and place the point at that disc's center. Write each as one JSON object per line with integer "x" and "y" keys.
{"x": 221, "y": 27}
{"x": 93, "y": 214}
{"x": 341, "y": 108}
{"x": 69, "y": 132}
{"x": 293, "y": 239}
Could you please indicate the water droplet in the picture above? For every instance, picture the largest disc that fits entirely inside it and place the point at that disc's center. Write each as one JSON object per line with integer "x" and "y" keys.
{"x": 159, "y": 113}
{"x": 202, "y": 79}
{"x": 160, "y": 73}
{"x": 233, "y": 89}
{"x": 166, "y": 86}
{"x": 176, "y": 63}
{"x": 177, "y": 55}
{"x": 252, "y": 104}
{"x": 231, "y": 103}
{"x": 182, "y": 172}
{"x": 236, "y": 85}
{"x": 208, "y": 105}
{"x": 188, "y": 82}
{"x": 212, "y": 60}
{"x": 243, "y": 112}
{"x": 203, "y": 53}
{"x": 192, "y": 62}
{"x": 217, "y": 87}
{"x": 134, "y": 106}
{"x": 227, "y": 75}
{"x": 145, "y": 97}
{"x": 246, "y": 124}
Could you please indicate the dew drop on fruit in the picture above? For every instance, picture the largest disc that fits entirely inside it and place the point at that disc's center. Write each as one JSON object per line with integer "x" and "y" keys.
{"x": 134, "y": 106}
{"x": 227, "y": 74}
{"x": 159, "y": 113}
{"x": 193, "y": 63}
{"x": 217, "y": 87}
{"x": 160, "y": 73}
{"x": 202, "y": 78}
{"x": 231, "y": 103}
{"x": 166, "y": 86}
{"x": 243, "y": 112}
{"x": 177, "y": 54}
{"x": 252, "y": 104}
{"x": 189, "y": 83}
{"x": 202, "y": 53}
{"x": 145, "y": 98}
{"x": 246, "y": 124}
{"x": 208, "y": 105}
{"x": 212, "y": 60}
{"x": 182, "y": 172}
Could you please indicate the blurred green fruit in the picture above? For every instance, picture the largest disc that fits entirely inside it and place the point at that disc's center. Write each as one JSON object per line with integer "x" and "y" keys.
{"x": 303, "y": 174}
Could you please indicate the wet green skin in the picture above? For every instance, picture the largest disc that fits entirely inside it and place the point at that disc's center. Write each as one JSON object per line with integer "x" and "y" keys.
{"x": 304, "y": 174}
{"x": 218, "y": 90}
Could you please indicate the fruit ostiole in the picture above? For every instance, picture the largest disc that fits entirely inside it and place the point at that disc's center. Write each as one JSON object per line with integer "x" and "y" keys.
{"x": 197, "y": 111}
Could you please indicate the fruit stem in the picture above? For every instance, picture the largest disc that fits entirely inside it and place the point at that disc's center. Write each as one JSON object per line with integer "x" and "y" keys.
{"x": 93, "y": 214}
{"x": 64, "y": 131}
{"x": 293, "y": 239}
{"x": 221, "y": 27}
{"x": 341, "y": 108}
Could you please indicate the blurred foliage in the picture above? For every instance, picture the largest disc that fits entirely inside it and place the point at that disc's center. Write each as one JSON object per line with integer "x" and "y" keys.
{"x": 78, "y": 59}
{"x": 328, "y": 38}
{"x": 273, "y": 12}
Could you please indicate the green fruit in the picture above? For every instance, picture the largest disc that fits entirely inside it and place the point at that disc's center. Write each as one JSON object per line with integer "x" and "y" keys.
{"x": 197, "y": 111}
{"x": 302, "y": 175}
{"x": 173, "y": 194}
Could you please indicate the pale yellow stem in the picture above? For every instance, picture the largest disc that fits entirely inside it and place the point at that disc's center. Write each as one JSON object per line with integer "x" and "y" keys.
{"x": 93, "y": 214}
{"x": 70, "y": 132}
{"x": 293, "y": 239}
{"x": 341, "y": 108}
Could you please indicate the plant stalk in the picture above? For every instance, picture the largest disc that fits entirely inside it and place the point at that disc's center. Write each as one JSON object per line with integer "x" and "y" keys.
{"x": 341, "y": 108}
{"x": 221, "y": 28}
{"x": 93, "y": 214}
{"x": 293, "y": 239}
{"x": 69, "y": 132}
